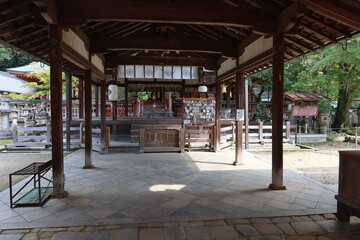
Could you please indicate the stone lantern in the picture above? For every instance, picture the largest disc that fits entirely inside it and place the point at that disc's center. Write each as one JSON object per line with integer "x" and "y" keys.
{"x": 5, "y": 111}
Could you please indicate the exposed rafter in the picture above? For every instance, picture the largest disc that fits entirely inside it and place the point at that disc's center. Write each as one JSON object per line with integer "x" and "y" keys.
{"x": 78, "y": 12}
{"x": 334, "y": 11}
{"x": 103, "y": 44}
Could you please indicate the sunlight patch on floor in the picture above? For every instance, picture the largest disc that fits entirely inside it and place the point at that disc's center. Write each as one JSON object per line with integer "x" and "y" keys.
{"x": 165, "y": 187}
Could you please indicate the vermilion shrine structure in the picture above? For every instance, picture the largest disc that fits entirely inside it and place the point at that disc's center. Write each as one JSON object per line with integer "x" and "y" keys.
{"x": 236, "y": 38}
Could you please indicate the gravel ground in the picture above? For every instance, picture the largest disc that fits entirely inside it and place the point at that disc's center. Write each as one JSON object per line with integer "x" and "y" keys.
{"x": 321, "y": 165}
{"x": 11, "y": 162}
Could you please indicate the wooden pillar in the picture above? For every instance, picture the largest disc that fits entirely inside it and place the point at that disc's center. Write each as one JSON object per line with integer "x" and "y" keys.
{"x": 68, "y": 109}
{"x": 88, "y": 120}
{"x": 170, "y": 106}
{"x": 81, "y": 98}
{"x": 104, "y": 137}
{"x": 277, "y": 112}
{"x": 96, "y": 101}
{"x": 126, "y": 98}
{"x": 227, "y": 96}
{"x": 55, "y": 33}
{"x": 217, "y": 117}
{"x": 239, "y": 102}
{"x": 183, "y": 85}
{"x": 246, "y": 109}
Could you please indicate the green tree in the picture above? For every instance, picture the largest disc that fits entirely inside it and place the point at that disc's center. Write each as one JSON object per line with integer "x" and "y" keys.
{"x": 10, "y": 58}
{"x": 42, "y": 86}
{"x": 335, "y": 73}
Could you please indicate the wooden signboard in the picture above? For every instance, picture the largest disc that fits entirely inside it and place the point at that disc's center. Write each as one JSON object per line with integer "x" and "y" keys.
{"x": 305, "y": 110}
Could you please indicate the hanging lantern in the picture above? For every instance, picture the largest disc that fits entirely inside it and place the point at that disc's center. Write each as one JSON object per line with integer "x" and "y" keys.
{"x": 223, "y": 88}
{"x": 202, "y": 88}
{"x": 113, "y": 92}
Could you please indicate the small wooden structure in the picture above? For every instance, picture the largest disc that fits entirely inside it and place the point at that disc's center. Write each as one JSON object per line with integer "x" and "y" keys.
{"x": 37, "y": 195}
{"x": 349, "y": 186}
{"x": 161, "y": 140}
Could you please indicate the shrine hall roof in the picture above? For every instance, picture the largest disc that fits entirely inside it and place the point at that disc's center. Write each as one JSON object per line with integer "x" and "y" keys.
{"x": 304, "y": 97}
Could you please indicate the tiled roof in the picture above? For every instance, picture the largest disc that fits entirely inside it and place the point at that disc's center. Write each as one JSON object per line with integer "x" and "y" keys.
{"x": 304, "y": 97}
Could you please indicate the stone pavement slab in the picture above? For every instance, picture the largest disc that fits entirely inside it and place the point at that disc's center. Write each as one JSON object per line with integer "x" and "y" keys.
{"x": 241, "y": 228}
{"x": 128, "y": 187}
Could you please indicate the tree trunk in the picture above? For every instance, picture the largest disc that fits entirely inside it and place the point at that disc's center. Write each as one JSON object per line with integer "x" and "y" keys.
{"x": 342, "y": 109}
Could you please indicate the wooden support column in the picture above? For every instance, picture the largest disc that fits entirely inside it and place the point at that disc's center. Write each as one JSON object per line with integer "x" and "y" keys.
{"x": 227, "y": 96}
{"x": 170, "y": 109}
{"x": 239, "y": 89}
{"x": 246, "y": 109}
{"x": 277, "y": 112}
{"x": 96, "y": 101}
{"x": 81, "y": 97}
{"x": 183, "y": 85}
{"x": 88, "y": 120}
{"x": 55, "y": 33}
{"x": 126, "y": 98}
{"x": 68, "y": 110}
{"x": 104, "y": 137}
{"x": 217, "y": 117}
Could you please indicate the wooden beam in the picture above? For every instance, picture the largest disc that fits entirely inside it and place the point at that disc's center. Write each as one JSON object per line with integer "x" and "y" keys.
{"x": 319, "y": 32}
{"x": 255, "y": 61}
{"x": 277, "y": 113}
{"x": 157, "y": 60}
{"x": 307, "y": 37}
{"x": 289, "y": 16}
{"x": 284, "y": 21}
{"x": 76, "y": 58}
{"x": 56, "y": 110}
{"x": 48, "y": 10}
{"x": 81, "y": 11}
{"x": 329, "y": 25}
{"x": 13, "y": 17}
{"x": 246, "y": 42}
{"x": 102, "y": 44}
{"x": 335, "y": 12}
{"x": 14, "y": 4}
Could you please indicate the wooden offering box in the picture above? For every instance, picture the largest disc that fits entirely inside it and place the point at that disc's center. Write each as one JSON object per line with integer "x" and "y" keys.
{"x": 349, "y": 185}
{"x": 161, "y": 140}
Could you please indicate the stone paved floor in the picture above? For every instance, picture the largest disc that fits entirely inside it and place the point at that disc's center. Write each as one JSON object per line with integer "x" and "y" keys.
{"x": 128, "y": 187}
{"x": 308, "y": 227}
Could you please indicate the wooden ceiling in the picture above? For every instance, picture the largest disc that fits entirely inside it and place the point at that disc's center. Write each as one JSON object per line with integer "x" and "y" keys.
{"x": 202, "y": 32}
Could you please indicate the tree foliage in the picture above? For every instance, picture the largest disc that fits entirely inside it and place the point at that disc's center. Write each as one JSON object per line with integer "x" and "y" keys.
{"x": 333, "y": 72}
{"x": 42, "y": 86}
{"x": 10, "y": 58}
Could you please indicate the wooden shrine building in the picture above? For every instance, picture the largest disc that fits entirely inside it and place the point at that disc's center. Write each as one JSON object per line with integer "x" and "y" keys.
{"x": 235, "y": 38}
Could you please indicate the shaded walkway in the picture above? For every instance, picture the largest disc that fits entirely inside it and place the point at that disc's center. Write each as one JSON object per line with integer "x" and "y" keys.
{"x": 128, "y": 187}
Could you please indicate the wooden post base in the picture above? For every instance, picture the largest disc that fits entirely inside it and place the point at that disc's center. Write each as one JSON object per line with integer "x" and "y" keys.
{"x": 343, "y": 212}
{"x": 276, "y": 187}
{"x": 88, "y": 166}
{"x": 58, "y": 195}
{"x": 238, "y": 163}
